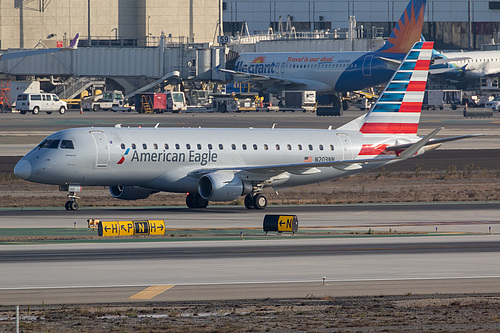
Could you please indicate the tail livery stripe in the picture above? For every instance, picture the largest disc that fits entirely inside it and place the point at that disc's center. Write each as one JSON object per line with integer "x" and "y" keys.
{"x": 397, "y": 111}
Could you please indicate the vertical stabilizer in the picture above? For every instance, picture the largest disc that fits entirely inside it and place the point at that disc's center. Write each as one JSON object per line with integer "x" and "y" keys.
{"x": 407, "y": 30}
{"x": 397, "y": 110}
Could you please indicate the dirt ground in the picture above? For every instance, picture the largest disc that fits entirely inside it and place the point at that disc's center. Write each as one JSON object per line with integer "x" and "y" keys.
{"x": 408, "y": 313}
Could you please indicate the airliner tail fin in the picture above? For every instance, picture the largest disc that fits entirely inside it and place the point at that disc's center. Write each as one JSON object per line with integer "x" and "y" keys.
{"x": 408, "y": 29}
{"x": 397, "y": 110}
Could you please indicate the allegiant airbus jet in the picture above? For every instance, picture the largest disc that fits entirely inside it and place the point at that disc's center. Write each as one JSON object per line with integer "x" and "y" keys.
{"x": 332, "y": 72}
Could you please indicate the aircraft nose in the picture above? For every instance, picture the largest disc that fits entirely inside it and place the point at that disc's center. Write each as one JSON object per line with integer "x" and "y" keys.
{"x": 23, "y": 169}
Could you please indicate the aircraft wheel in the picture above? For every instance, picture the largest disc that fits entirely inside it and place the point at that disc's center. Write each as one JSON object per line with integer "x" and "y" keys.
{"x": 259, "y": 201}
{"x": 190, "y": 201}
{"x": 200, "y": 202}
{"x": 194, "y": 200}
{"x": 249, "y": 201}
{"x": 73, "y": 205}
{"x": 66, "y": 205}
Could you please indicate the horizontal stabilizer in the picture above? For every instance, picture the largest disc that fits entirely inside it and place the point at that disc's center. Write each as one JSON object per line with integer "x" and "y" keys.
{"x": 433, "y": 142}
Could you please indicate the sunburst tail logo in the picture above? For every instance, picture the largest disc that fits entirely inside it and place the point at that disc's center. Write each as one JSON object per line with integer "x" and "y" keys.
{"x": 408, "y": 29}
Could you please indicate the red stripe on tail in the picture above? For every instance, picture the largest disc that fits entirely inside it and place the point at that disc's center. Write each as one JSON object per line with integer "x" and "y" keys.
{"x": 389, "y": 128}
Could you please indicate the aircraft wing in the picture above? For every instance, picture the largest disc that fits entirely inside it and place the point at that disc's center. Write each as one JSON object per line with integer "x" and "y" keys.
{"x": 13, "y": 55}
{"x": 440, "y": 61}
{"x": 297, "y": 168}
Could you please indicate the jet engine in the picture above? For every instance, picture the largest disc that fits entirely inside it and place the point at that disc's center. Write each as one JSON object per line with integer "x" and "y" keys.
{"x": 222, "y": 186}
{"x": 130, "y": 192}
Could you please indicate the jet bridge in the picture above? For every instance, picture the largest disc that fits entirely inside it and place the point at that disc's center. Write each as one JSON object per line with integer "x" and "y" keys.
{"x": 147, "y": 64}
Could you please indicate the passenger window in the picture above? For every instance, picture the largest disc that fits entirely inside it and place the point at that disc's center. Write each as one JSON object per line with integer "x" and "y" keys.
{"x": 299, "y": 146}
{"x": 155, "y": 146}
{"x": 198, "y": 146}
{"x": 122, "y": 145}
{"x": 254, "y": 146}
{"x": 310, "y": 147}
{"x": 177, "y": 146}
{"x": 332, "y": 148}
{"x": 188, "y": 146}
{"x": 277, "y": 146}
{"x": 144, "y": 146}
{"x": 133, "y": 146}
{"x": 244, "y": 146}
{"x": 67, "y": 144}
{"x": 266, "y": 147}
{"x": 166, "y": 146}
{"x": 320, "y": 147}
{"x": 210, "y": 146}
{"x": 289, "y": 147}
{"x": 233, "y": 146}
{"x": 221, "y": 146}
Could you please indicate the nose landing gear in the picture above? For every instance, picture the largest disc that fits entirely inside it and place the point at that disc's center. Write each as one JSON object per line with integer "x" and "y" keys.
{"x": 72, "y": 204}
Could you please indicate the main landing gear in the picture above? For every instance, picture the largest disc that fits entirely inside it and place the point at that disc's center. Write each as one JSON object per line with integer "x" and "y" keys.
{"x": 194, "y": 200}
{"x": 255, "y": 201}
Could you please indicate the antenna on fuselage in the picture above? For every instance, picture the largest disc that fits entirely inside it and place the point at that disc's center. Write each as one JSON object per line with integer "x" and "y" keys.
{"x": 118, "y": 126}
{"x": 157, "y": 124}
{"x": 274, "y": 125}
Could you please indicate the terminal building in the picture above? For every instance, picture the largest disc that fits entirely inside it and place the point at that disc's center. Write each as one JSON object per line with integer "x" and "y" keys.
{"x": 451, "y": 24}
{"x": 25, "y": 23}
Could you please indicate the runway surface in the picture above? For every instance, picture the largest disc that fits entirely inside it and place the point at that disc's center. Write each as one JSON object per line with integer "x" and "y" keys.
{"x": 167, "y": 271}
{"x": 472, "y": 217}
{"x": 276, "y": 266}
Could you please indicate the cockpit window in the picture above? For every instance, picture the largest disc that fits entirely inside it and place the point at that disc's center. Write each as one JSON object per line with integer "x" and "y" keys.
{"x": 67, "y": 144}
{"x": 52, "y": 144}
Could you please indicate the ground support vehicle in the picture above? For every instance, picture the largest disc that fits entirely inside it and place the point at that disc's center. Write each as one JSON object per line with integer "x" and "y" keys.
{"x": 151, "y": 102}
{"x": 438, "y": 99}
{"x": 108, "y": 100}
{"x": 40, "y": 102}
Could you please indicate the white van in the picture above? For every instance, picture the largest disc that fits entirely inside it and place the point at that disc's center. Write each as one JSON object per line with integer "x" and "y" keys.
{"x": 40, "y": 102}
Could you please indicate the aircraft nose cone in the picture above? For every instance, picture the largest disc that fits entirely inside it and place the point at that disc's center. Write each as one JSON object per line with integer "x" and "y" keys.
{"x": 23, "y": 169}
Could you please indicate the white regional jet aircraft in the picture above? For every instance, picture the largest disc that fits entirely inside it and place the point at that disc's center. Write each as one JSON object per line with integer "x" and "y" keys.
{"x": 463, "y": 66}
{"x": 332, "y": 72}
{"x": 218, "y": 164}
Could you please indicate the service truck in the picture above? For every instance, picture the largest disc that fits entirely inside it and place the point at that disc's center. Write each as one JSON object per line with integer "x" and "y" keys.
{"x": 108, "y": 100}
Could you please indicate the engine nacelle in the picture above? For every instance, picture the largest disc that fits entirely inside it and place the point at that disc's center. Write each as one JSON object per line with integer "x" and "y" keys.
{"x": 130, "y": 192}
{"x": 222, "y": 186}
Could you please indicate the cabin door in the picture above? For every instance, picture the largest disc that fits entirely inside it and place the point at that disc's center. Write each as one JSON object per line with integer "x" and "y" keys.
{"x": 102, "y": 145}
